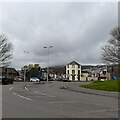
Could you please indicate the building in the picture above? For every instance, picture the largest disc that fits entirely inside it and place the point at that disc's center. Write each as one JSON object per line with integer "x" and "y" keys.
{"x": 88, "y": 76}
{"x": 104, "y": 75}
{"x": 73, "y": 71}
{"x": 52, "y": 75}
{"x": 8, "y": 72}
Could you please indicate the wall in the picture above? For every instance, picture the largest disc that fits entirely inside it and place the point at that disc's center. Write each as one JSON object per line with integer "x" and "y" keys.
{"x": 89, "y": 79}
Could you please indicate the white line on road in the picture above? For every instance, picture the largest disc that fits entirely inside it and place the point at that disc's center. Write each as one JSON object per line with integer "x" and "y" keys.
{"x": 43, "y": 94}
{"x": 102, "y": 110}
{"x": 11, "y": 88}
{"x": 26, "y": 88}
{"x": 63, "y": 102}
{"x": 22, "y": 97}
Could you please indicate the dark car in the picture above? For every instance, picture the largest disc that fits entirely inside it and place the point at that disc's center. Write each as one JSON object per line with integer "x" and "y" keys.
{"x": 6, "y": 81}
{"x": 66, "y": 80}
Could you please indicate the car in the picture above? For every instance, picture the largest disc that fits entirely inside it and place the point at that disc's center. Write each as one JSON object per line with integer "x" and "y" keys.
{"x": 6, "y": 81}
{"x": 17, "y": 79}
{"x": 34, "y": 79}
{"x": 20, "y": 80}
{"x": 102, "y": 80}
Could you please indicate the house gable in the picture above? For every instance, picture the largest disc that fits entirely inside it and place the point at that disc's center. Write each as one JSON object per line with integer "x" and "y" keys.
{"x": 73, "y": 63}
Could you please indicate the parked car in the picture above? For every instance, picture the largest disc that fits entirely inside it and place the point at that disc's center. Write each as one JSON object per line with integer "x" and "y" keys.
{"x": 34, "y": 79}
{"x": 6, "y": 81}
{"x": 18, "y": 79}
{"x": 102, "y": 79}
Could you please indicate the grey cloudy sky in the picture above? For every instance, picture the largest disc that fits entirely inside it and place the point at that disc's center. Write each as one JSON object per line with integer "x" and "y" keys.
{"x": 77, "y": 31}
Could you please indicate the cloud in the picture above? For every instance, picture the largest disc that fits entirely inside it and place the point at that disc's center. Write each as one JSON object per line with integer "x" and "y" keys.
{"x": 77, "y": 31}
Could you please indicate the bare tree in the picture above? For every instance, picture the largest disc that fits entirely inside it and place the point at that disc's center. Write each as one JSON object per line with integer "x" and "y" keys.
{"x": 5, "y": 51}
{"x": 111, "y": 51}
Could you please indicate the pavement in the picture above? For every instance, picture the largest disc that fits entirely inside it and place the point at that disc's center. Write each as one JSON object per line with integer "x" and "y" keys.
{"x": 75, "y": 86}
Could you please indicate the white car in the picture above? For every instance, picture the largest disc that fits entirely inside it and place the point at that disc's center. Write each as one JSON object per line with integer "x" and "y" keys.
{"x": 102, "y": 79}
{"x": 34, "y": 79}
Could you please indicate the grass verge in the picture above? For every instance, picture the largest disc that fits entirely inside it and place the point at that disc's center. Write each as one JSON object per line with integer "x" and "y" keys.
{"x": 109, "y": 85}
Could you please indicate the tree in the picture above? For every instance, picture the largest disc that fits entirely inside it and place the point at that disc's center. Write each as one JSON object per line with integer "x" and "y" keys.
{"x": 33, "y": 71}
{"x": 36, "y": 66}
{"x": 5, "y": 51}
{"x": 111, "y": 51}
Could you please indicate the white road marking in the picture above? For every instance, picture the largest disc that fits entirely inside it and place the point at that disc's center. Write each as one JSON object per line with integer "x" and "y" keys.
{"x": 96, "y": 111}
{"x": 11, "y": 88}
{"x": 43, "y": 94}
{"x": 114, "y": 110}
{"x": 26, "y": 88}
{"x": 102, "y": 110}
{"x": 63, "y": 102}
{"x": 22, "y": 97}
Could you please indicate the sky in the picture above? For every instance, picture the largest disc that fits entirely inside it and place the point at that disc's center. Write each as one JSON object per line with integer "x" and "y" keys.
{"x": 76, "y": 30}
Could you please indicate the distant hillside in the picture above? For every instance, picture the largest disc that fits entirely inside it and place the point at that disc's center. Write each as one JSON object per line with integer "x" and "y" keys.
{"x": 87, "y": 66}
{"x": 58, "y": 69}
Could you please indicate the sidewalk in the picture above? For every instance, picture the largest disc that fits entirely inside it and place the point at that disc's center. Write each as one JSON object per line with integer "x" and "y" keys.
{"x": 75, "y": 87}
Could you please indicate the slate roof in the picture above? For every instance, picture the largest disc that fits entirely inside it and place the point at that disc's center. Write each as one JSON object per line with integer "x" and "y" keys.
{"x": 73, "y": 63}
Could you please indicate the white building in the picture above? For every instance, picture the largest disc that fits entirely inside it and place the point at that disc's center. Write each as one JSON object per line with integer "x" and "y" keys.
{"x": 73, "y": 71}
{"x": 104, "y": 75}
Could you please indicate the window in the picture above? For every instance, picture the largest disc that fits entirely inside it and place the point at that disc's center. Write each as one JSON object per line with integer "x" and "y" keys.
{"x": 104, "y": 72}
{"x": 68, "y": 71}
{"x": 73, "y": 66}
{"x": 78, "y": 77}
{"x": 73, "y": 72}
{"x": 78, "y": 66}
{"x": 67, "y": 66}
{"x": 78, "y": 72}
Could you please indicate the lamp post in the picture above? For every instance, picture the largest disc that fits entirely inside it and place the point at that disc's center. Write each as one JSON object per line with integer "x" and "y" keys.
{"x": 25, "y": 73}
{"x": 25, "y": 68}
{"x": 48, "y": 47}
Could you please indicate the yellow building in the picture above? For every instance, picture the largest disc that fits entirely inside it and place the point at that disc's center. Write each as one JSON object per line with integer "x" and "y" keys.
{"x": 73, "y": 71}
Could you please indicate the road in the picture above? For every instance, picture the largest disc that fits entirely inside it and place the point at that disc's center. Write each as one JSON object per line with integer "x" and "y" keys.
{"x": 29, "y": 100}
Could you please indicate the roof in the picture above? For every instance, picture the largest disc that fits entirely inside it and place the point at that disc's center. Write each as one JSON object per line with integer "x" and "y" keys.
{"x": 73, "y": 63}
{"x": 85, "y": 71}
{"x": 11, "y": 69}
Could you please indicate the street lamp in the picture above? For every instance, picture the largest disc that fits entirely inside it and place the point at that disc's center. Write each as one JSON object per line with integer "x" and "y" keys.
{"x": 25, "y": 68}
{"x": 48, "y": 47}
{"x": 25, "y": 73}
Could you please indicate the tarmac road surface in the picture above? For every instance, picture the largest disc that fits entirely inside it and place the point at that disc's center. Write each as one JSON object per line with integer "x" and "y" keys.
{"x": 30, "y": 100}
